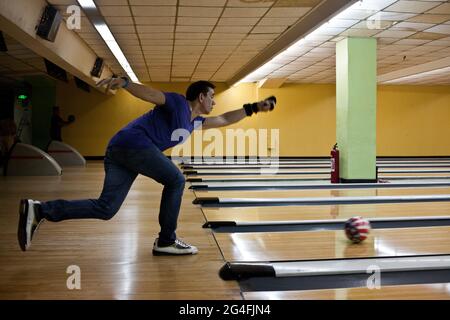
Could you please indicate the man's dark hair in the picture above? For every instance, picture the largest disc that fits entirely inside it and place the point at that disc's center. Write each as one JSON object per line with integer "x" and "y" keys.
{"x": 194, "y": 90}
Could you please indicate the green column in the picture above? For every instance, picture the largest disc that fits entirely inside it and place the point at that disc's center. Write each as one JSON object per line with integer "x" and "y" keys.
{"x": 356, "y": 89}
{"x": 43, "y": 99}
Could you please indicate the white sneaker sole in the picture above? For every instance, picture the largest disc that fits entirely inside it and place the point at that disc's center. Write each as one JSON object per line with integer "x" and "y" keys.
{"x": 174, "y": 252}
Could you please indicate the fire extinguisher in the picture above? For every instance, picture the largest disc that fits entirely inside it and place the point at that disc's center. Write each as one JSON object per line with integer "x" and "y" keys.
{"x": 335, "y": 164}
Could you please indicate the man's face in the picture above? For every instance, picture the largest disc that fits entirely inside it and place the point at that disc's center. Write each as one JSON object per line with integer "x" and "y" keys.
{"x": 207, "y": 101}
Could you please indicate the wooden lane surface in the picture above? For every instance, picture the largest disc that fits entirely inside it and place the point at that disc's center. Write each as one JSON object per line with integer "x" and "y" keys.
{"x": 327, "y": 212}
{"x": 308, "y": 176}
{"x": 435, "y": 291}
{"x": 260, "y": 177}
{"x": 301, "y": 166}
{"x": 321, "y": 193}
{"x": 114, "y": 256}
{"x": 278, "y": 170}
{"x": 314, "y": 245}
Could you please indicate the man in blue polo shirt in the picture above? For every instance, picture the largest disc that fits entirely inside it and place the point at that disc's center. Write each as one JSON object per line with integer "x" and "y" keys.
{"x": 138, "y": 149}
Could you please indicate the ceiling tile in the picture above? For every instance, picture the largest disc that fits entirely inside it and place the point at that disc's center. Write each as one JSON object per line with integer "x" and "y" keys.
{"x": 442, "y": 9}
{"x": 192, "y": 42}
{"x": 415, "y": 42}
{"x": 199, "y": 12}
{"x": 198, "y": 21}
{"x": 115, "y": 11}
{"x": 352, "y": 14}
{"x": 200, "y": 3}
{"x": 277, "y": 21}
{"x": 122, "y": 29}
{"x": 240, "y": 3}
{"x": 269, "y": 29}
{"x": 154, "y": 20}
{"x": 110, "y": 2}
{"x": 443, "y": 28}
{"x": 154, "y": 11}
{"x": 160, "y": 36}
{"x": 244, "y": 12}
{"x": 287, "y": 12}
{"x": 411, "y": 26}
{"x": 154, "y": 29}
{"x": 232, "y": 29}
{"x": 412, "y": 6}
{"x": 373, "y": 4}
{"x": 359, "y": 33}
{"x": 194, "y": 29}
{"x": 428, "y": 36}
{"x": 430, "y": 18}
{"x": 237, "y": 21}
{"x": 151, "y": 2}
{"x": 119, "y": 20}
{"x": 228, "y": 36}
{"x": 394, "y": 34}
{"x": 188, "y": 35}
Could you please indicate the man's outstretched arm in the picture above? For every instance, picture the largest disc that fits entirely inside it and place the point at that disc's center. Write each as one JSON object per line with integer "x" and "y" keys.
{"x": 140, "y": 91}
{"x": 237, "y": 115}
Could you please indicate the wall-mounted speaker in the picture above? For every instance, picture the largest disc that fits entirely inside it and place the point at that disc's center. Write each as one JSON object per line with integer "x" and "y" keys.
{"x": 3, "y": 47}
{"x": 82, "y": 85}
{"x": 98, "y": 68}
{"x": 55, "y": 71}
{"x": 49, "y": 24}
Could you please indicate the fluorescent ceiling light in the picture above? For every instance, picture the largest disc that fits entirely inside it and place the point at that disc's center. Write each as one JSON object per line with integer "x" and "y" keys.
{"x": 110, "y": 41}
{"x": 87, "y": 4}
{"x": 319, "y": 33}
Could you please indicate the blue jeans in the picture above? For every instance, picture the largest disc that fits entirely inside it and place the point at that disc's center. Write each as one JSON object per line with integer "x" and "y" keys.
{"x": 121, "y": 168}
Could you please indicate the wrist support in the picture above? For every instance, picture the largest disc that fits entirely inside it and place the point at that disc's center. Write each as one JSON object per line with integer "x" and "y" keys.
{"x": 251, "y": 108}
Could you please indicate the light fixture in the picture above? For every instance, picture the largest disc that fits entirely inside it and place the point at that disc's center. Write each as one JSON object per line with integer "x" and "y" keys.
{"x": 110, "y": 41}
{"x": 261, "y": 72}
{"x": 87, "y": 4}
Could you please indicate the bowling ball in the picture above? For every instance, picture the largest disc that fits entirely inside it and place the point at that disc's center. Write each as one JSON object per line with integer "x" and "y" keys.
{"x": 357, "y": 229}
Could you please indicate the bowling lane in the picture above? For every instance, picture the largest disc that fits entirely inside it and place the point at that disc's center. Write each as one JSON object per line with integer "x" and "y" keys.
{"x": 320, "y": 193}
{"x": 260, "y": 177}
{"x": 327, "y": 212}
{"x": 435, "y": 291}
{"x": 325, "y": 177}
{"x": 268, "y": 185}
{"x": 310, "y": 166}
{"x": 315, "y": 245}
{"x": 278, "y": 171}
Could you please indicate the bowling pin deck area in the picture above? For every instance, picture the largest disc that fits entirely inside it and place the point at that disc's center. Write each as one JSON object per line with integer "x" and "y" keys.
{"x": 252, "y": 248}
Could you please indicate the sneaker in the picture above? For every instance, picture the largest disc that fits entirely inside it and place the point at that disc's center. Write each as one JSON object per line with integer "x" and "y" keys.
{"x": 29, "y": 222}
{"x": 177, "y": 248}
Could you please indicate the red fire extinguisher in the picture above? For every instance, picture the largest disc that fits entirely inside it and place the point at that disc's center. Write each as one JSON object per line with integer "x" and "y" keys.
{"x": 335, "y": 164}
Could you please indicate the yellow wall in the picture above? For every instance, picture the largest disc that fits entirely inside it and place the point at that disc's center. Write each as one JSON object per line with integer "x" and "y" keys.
{"x": 411, "y": 120}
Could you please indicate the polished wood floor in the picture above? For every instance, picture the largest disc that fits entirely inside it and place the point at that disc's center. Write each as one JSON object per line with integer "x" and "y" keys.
{"x": 325, "y": 176}
{"x": 328, "y": 212}
{"x": 437, "y": 291}
{"x": 331, "y": 244}
{"x": 114, "y": 256}
{"x": 322, "y": 193}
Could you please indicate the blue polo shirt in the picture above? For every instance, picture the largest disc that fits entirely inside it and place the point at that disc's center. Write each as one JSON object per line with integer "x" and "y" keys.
{"x": 157, "y": 125}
